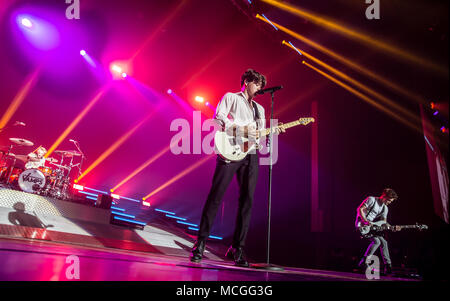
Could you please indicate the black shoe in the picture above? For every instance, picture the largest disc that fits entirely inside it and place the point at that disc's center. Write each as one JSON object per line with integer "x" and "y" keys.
{"x": 197, "y": 251}
{"x": 387, "y": 270}
{"x": 238, "y": 256}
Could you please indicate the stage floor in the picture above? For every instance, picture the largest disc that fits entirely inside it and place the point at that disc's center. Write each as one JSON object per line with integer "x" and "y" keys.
{"x": 38, "y": 260}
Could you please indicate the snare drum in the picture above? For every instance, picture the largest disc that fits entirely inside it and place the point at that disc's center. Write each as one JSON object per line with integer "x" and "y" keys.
{"x": 31, "y": 180}
{"x": 47, "y": 171}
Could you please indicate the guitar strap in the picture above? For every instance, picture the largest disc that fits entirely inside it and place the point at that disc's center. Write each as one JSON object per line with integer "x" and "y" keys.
{"x": 255, "y": 107}
{"x": 370, "y": 210}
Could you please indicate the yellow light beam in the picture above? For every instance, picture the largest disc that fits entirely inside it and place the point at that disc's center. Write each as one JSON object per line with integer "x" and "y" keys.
{"x": 349, "y": 63}
{"x": 113, "y": 147}
{"x": 77, "y": 120}
{"x": 362, "y": 37}
{"x": 365, "y": 98}
{"x": 145, "y": 164}
{"x": 178, "y": 176}
{"x": 356, "y": 83}
{"x": 30, "y": 81}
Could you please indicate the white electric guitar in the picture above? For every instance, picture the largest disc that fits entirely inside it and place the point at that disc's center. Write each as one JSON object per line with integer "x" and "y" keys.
{"x": 234, "y": 148}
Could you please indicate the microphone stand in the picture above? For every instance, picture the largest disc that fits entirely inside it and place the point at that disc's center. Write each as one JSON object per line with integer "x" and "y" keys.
{"x": 267, "y": 265}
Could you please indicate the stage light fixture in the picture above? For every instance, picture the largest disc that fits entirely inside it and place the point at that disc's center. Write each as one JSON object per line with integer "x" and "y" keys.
{"x": 78, "y": 187}
{"x": 199, "y": 98}
{"x": 435, "y": 113}
{"x": 169, "y": 91}
{"x": 124, "y": 75}
{"x": 82, "y": 52}
{"x": 145, "y": 203}
{"x": 26, "y": 23}
{"x": 116, "y": 68}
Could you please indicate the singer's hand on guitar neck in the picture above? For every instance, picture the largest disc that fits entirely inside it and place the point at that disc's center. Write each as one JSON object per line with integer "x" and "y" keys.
{"x": 246, "y": 131}
{"x": 280, "y": 128}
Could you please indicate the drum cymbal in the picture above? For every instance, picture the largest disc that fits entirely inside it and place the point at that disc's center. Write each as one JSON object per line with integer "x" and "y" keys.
{"x": 70, "y": 153}
{"x": 60, "y": 166}
{"x": 21, "y": 141}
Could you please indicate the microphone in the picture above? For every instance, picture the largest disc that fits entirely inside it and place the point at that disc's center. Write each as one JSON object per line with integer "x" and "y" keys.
{"x": 270, "y": 90}
{"x": 19, "y": 123}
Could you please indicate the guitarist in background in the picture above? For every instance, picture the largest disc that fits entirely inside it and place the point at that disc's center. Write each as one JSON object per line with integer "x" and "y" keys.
{"x": 243, "y": 111}
{"x": 373, "y": 209}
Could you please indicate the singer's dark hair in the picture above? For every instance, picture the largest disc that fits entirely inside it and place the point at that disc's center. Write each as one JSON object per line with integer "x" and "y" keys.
{"x": 253, "y": 76}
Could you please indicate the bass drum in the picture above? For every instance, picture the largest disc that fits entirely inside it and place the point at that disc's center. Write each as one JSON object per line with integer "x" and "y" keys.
{"x": 31, "y": 180}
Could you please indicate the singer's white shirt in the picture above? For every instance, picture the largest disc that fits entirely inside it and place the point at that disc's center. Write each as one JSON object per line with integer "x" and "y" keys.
{"x": 234, "y": 108}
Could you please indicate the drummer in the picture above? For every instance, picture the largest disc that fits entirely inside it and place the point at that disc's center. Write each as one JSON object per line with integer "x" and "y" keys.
{"x": 36, "y": 158}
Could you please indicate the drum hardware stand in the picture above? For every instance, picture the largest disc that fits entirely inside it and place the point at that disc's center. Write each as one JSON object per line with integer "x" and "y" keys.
{"x": 82, "y": 156}
{"x": 8, "y": 178}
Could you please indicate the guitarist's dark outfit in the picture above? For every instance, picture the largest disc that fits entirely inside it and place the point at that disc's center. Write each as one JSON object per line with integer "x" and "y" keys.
{"x": 246, "y": 170}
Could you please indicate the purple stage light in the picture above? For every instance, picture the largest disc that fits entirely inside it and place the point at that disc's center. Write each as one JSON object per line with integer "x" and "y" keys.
{"x": 38, "y": 32}
{"x": 83, "y": 52}
{"x": 26, "y": 22}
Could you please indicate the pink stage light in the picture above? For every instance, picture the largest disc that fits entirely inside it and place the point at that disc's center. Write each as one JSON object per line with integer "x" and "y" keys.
{"x": 119, "y": 70}
{"x": 169, "y": 91}
{"x": 116, "y": 68}
{"x": 199, "y": 99}
{"x": 145, "y": 203}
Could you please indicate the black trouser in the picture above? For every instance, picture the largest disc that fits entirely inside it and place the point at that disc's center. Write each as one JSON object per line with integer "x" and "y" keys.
{"x": 247, "y": 176}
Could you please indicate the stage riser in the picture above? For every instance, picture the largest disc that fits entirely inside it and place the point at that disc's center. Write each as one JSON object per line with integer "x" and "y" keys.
{"x": 23, "y": 201}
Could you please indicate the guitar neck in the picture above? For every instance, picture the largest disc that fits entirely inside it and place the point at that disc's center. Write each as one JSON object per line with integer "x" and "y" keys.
{"x": 403, "y": 226}
{"x": 407, "y": 226}
{"x": 285, "y": 125}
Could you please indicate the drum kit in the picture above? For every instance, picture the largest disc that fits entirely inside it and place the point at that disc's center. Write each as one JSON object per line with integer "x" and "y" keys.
{"x": 50, "y": 179}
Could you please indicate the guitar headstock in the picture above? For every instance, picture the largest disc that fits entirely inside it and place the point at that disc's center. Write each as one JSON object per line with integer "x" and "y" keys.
{"x": 306, "y": 120}
{"x": 421, "y": 227}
